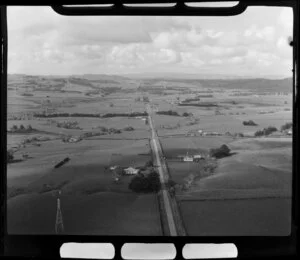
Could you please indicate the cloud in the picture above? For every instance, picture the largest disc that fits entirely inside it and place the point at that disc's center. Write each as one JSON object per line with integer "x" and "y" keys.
{"x": 41, "y": 41}
{"x": 284, "y": 49}
{"x": 285, "y": 19}
{"x": 254, "y": 33}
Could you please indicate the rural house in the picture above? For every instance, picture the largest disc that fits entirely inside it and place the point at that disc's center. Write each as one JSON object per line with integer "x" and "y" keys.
{"x": 112, "y": 168}
{"x": 188, "y": 158}
{"x": 131, "y": 171}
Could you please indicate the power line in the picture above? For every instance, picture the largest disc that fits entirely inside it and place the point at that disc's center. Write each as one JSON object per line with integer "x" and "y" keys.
{"x": 59, "y": 225}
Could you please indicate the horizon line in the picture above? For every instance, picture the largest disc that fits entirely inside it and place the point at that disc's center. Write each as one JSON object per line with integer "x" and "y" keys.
{"x": 176, "y": 75}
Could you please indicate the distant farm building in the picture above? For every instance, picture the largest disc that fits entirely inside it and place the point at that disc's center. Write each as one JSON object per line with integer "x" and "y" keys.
{"x": 290, "y": 132}
{"x": 208, "y": 133}
{"x": 197, "y": 157}
{"x": 131, "y": 171}
{"x": 112, "y": 168}
{"x": 74, "y": 139}
{"x": 188, "y": 158}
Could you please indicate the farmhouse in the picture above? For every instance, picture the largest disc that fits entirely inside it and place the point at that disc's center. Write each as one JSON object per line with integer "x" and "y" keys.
{"x": 74, "y": 139}
{"x": 188, "y": 158}
{"x": 198, "y": 156}
{"x": 131, "y": 171}
{"x": 112, "y": 168}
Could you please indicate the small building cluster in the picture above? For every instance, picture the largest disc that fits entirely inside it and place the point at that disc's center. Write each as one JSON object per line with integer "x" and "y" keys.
{"x": 131, "y": 171}
{"x": 71, "y": 139}
{"x": 192, "y": 158}
{"x": 289, "y": 132}
{"x": 203, "y": 133}
{"x": 124, "y": 171}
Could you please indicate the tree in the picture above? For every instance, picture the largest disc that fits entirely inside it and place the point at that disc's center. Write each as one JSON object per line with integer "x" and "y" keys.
{"x": 286, "y": 126}
{"x": 171, "y": 183}
{"x": 266, "y": 131}
{"x": 185, "y": 114}
{"x": 29, "y": 128}
{"x": 250, "y": 122}
{"x": 149, "y": 164}
{"x": 145, "y": 184}
{"x": 14, "y": 128}
{"x": 10, "y": 156}
{"x": 22, "y": 127}
{"x": 128, "y": 128}
{"x": 224, "y": 149}
{"x": 221, "y": 152}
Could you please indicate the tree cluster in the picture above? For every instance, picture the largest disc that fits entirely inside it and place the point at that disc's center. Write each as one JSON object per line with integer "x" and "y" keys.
{"x": 286, "y": 126}
{"x": 168, "y": 113}
{"x": 68, "y": 125}
{"x": 128, "y": 128}
{"x": 221, "y": 152}
{"x": 10, "y": 156}
{"x": 266, "y": 131}
{"x": 21, "y": 129}
{"x": 145, "y": 184}
{"x": 134, "y": 114}
{"x": 186, "y": 114}
{"x": 44, "y": 115}
{"x": 250, "y": 123}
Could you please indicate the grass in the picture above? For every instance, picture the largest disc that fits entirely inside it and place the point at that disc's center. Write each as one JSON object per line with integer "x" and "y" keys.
{"x": 248, "y": 194}
{"x": 246, "y": 217}
{"x": 93, "y": 204}
{"x": 105, "y": 213}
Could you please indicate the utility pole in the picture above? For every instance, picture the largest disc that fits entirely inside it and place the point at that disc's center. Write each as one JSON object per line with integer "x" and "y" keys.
{"x": 59, "y": 225}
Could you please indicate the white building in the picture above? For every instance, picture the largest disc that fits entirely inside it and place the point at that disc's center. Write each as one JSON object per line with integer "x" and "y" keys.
{"x": 188, "y": 158}
{"x": 198, "y": 156}
{"x": 131, "y": 171}
{"x": 112, "y": 168}
{"x": 74, "y": 139}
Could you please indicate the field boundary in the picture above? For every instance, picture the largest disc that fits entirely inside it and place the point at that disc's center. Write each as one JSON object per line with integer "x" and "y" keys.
{"x": 162, "y": 215}
{"x": 232, "y": 198}
{"x": 174, "y": 204}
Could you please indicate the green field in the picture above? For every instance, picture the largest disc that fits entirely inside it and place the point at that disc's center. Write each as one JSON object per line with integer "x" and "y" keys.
{"x": 102, "y": 213}
{"x": 251, "y": 186}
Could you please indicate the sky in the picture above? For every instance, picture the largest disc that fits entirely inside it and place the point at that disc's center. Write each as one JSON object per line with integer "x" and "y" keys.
{"x": 253, "y": 44}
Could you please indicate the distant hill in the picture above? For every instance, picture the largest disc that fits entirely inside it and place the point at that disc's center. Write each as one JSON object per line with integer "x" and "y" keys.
{"x": 256, "y": 85}
{"x": 88, "y": 84}
{"x": 167, "y": 76}
{"x": 103, "y": 81}
{"x": 192, "y": 76}
{"x": 96, "y": 77}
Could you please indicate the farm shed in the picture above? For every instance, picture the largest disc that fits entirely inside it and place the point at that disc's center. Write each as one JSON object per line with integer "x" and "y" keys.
{"x": 131, "y": 171}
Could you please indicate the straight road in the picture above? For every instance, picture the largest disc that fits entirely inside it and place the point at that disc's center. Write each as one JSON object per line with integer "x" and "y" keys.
{"x": 163, "y": 174}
